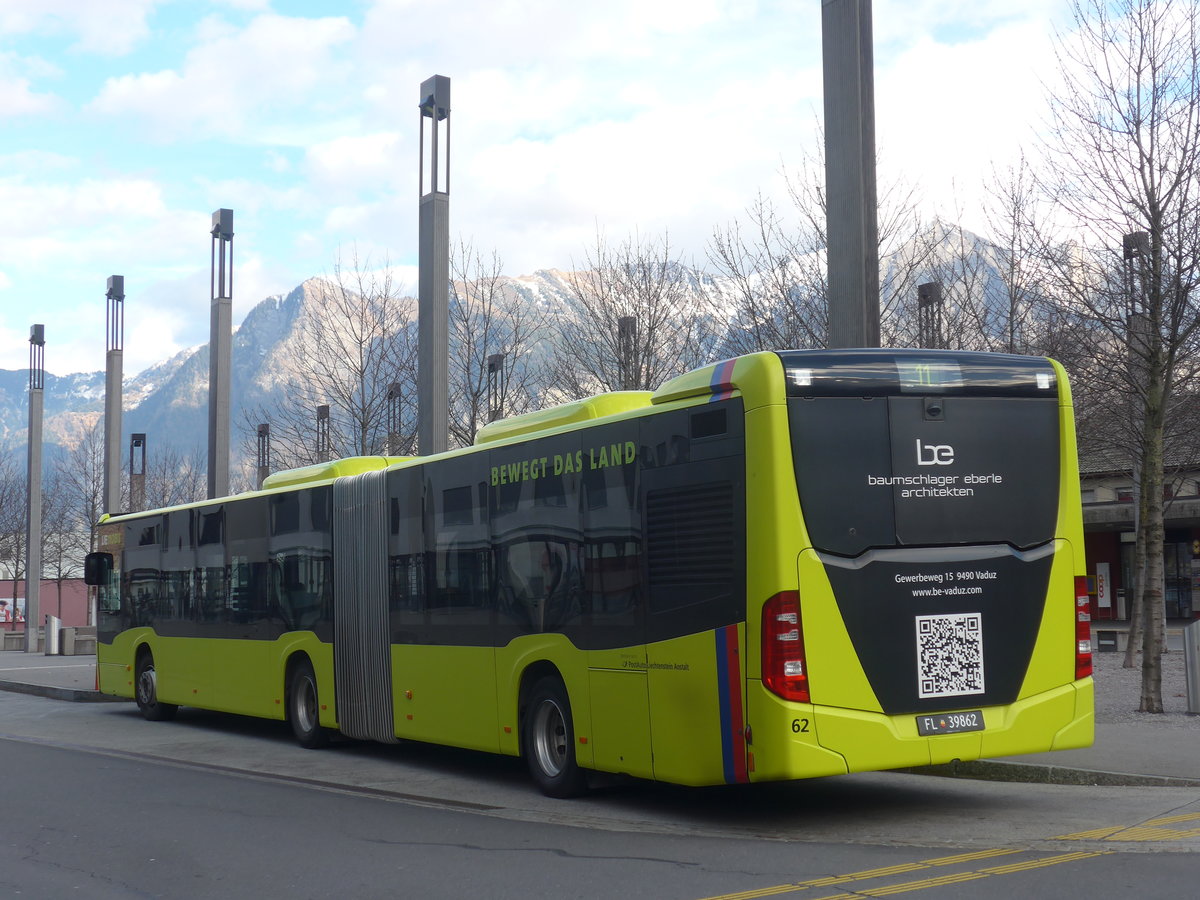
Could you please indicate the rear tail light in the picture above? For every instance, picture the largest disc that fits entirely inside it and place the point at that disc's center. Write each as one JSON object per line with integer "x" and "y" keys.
{"x": 784, "y": 668}
{"x": 1083, "y": 629}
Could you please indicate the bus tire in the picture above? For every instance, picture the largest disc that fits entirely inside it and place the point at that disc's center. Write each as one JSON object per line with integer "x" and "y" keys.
{"x": 548, "y": 741}
{"x": 145, "y": 684}
{"x": 304, "y": 708}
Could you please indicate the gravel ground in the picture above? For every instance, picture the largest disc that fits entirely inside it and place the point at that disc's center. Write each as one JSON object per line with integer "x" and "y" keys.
{"x": 1118, "y": 691}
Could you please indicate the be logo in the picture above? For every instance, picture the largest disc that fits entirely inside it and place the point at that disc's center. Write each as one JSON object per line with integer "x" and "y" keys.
{"x": 934, "y": 454}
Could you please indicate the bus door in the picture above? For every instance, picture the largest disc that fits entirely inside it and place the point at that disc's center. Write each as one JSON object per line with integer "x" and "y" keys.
{"x": 238, "y": 614}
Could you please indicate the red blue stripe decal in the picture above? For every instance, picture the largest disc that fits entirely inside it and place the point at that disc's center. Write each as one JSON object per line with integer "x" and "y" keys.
{"x": 729, "y": 689}
{"x": 721, "y": 384}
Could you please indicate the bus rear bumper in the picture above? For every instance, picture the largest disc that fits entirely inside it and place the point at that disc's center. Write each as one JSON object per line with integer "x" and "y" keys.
{"x": 792, "y": 740}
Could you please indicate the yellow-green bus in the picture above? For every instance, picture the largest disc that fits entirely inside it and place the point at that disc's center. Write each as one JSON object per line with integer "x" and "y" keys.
{"x": 784, "y": 565}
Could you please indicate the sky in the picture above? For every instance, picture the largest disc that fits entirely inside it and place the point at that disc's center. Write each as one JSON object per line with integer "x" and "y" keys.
{"x": 126, "y": 123}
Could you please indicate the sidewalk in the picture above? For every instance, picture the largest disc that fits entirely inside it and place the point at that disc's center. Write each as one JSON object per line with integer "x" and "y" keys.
{"x": 57, "y": 677}
{"x": 1131, "y": 748}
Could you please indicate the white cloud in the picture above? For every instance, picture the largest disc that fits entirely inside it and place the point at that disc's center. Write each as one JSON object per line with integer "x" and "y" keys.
{"x": 16, "y": 99}
{"x": 356, "y": 161}
{"x": 109, "y": 28}
{"x": 17, "y": 96}
{"x": 947, "y": 113}
{"x": 236, "y": 80}
{"x": 667, "y": 116}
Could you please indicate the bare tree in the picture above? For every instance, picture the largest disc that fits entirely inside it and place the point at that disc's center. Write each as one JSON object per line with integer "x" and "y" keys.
{"x": 634, "y": 320}
{"x": 773, "y": 288}
{"x": 1125, "y": 160}
{"x": 494, "y": 333}
{"x": 64, "y": 542}
{"x": 1013, "y": 214}
{"x": 774, "y": 292}
{"x": 79, "y": 476}
{"x": 12, "y": 525}
{"x": 174, "y": 476}
{"x": 354, "y": 340}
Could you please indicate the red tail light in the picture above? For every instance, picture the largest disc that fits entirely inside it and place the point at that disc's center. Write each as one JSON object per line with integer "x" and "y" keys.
{"x": 784, "y": 668}
{"x": 1083, "y": 629}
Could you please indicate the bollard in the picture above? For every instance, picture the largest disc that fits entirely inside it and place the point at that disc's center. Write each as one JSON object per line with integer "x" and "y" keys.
{"x": 1191, "y": 663}
{"x": 51, "y": 635}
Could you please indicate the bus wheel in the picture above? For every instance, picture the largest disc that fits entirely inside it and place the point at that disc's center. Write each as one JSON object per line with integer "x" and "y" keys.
{"x": 146, "y": 684}
{"x": 304, "y": 712}
{"x": 549, "y": 741}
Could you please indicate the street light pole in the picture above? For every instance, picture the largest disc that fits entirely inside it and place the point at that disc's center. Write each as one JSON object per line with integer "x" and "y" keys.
{"x": 433, "y": 277}
{"x": 114, "y": 351}
{"x": 33, "y": 520}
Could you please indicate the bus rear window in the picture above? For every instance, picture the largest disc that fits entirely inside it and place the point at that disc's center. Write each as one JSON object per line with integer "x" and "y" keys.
{"x": 884, "y": 373}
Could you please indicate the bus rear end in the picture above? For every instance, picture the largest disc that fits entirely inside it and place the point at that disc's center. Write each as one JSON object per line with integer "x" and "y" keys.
{"x": 941, "y": 610}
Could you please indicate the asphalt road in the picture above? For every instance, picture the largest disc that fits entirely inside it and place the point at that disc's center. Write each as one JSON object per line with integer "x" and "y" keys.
{"x": 99, "y": 803}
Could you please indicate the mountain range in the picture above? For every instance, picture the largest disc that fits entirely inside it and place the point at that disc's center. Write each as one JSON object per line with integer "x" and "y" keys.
{"x": 169, "y": 401}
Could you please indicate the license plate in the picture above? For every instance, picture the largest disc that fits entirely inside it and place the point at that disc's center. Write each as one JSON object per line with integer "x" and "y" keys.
{"x": 950, "y": 723}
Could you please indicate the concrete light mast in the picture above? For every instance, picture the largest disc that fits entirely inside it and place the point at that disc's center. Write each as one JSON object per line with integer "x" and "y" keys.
{"x": 433, "y": 294}
{"x": 851, "y": 206}
{"x": 220, "y": 347}
{"x": 33, "y": 518}
{"x": 114, "y": 347}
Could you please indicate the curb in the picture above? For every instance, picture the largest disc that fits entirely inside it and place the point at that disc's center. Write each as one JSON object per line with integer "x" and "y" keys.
{"x": 75, "y": 695}
{"x": 1028, "y": 773}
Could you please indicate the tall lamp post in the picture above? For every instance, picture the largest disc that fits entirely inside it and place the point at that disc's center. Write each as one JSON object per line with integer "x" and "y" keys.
{"x": 114, "y": 351}
{"x": 33, "y": 519}
{"x": 497, "y": 385}
{"x": 264, "y": 453}
{"x": 137, "y": 471}
{"x": 929, "y": 315}
{"x": 395, "y": 400}
{"x": 323, "y": 433}
{"x": 852, "y": 224}
{"x": 627, "y": 337}
{"x": 433, "y": 279}
{"x": 220, "y": 344}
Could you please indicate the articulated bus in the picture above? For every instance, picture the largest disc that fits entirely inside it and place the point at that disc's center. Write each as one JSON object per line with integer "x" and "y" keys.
{"x": 784, "y": 565}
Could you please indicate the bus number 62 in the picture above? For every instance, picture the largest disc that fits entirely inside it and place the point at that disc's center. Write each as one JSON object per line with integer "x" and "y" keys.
{"x": 800, "y": 726}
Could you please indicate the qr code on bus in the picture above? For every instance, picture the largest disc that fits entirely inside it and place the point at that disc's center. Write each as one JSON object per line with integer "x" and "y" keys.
{"x": 950, "y": 655}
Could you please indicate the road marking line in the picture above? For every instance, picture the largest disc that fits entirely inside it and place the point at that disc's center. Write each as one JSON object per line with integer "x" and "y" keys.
{"x": 901, "y": 869}
{"x": 922, "y": 884}
{"x": 1149, "y": 830}
{"x": 961, "y": 877}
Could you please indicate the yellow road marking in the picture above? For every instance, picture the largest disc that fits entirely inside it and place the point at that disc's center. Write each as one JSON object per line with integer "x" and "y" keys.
{"x": 961, "y": 877}
{"x": 1149, "y": 830}
{"x": 904, "y": 869}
